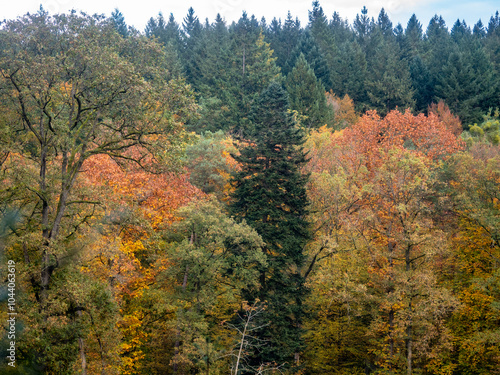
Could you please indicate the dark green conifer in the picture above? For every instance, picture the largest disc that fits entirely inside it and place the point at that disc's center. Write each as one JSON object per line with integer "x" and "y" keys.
{"x": 388, "y": 83}
{"x": 467, "y": 83}
{"x": 314, "y": 57}
{"x": 412, "y": 44}
{"x": 119, "y": 23}
{"x": 307, "y": 95}
{"x": 350, "y": 73}
{"x": 270, "y": 196}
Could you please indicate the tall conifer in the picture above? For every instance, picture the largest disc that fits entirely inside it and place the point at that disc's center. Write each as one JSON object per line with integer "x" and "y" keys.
{"x": 270, "y": 196}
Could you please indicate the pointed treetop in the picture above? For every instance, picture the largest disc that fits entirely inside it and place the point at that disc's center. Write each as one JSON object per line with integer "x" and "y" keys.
{"x": 460, "y": 30}
{"x": 479, "y": 30}
{"x": 437, "y": 27}
{"x": 316, "y": 15}
{"x": 414, "y": 27}
{"x": 119, "y": 22}
{"x": 494, "y": 25}
{"x": 362, "y": 24}
{"x": 384, "y": 23}
{"x": 191, "y": 25}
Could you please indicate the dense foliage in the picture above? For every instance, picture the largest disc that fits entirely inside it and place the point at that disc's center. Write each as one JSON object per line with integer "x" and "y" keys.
{"x": 251, "y": 198}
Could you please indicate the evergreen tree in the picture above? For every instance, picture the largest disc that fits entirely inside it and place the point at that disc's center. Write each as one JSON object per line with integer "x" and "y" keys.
{"x": 314, "y": 57}
{"x": 385, "y": 24}
{"x": 214, "y": 80}
{"x": 270, "y": 196}
{"x": 290, "y": 37}
{"x": 492, "y": 42}
{"x": 363, "y": 26}
{"x": 191, "y": 33}
{"x": 468, "y": 83}
{"x": 399, "y": 34}
{"x": 389, "y": 82}
{"x": 166, "y": 32}
{"x": 420, "y": 81}
{"x": 119, "y": 22}
{"x": 460, "y": 32}
{"x": 341, "y": 30}
{"x": 351, "y": 73}
{"x": 438, "y": 48}
{"x": 323, "y": 36}
{"x": 479, "y": 31}
{"x": 283, "y": 38}
{"x": 413, "y": 39}
{"x": 307, "y": 95}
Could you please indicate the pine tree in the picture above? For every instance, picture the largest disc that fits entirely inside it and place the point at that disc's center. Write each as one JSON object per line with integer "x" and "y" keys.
{"x": 363, "y": 26}
{"x": 385, "y": 24}
{"x": 307, "y": 95}
{"x": 323, "y": 36}
{"x": 283, "y": 38}
{"x": 492, "y": 41}
{"x": 253, "y": 68}
{"x": 119, "y": 23}
{"x": 389, "y": 82}
{"x": 270, "y": 196}
{"x": 351, "y": 72}
{"x": 420, "y": 80}
{"x": 166, "y": 32}
{"x": 314, "y": 57}
{"x": 479, "y": 31}
{"x": 467, "y": 83}
{"x": 413, "y": 39}
{"x": 191, "y": 33}
{"x": 341, "y": 30}
{"x": 438, "y": 48}
{"x": 460, "y": 32}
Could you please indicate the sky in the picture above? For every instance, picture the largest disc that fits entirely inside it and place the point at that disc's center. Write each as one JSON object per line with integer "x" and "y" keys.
{"x": 138, "y": 12}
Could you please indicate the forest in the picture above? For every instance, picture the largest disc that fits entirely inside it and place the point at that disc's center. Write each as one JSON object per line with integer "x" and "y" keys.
{"x": 249, "y": 198}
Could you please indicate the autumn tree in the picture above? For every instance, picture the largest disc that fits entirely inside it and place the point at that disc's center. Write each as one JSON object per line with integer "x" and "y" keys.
{"x": 215, "y": 259}
{"x": 371, "y": 195}
{"x": 75, "y": 88}
{"x": 472, "y": 269}
{"x": 210, "y": 163}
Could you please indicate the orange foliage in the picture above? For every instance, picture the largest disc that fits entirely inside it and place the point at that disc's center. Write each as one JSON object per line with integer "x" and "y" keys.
{"x": 158, "y": 195}
{"x": 427, "y": 136}
{"x": 345, "y": 115}
{"x": 442, "y": 111}
{"x": 117, "y": 254}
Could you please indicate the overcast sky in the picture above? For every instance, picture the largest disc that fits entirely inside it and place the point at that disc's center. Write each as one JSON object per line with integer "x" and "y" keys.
{"x": 137, "y": 12}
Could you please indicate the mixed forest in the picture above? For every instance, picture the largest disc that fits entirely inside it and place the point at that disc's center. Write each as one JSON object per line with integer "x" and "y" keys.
{"x": 260, "y": 197}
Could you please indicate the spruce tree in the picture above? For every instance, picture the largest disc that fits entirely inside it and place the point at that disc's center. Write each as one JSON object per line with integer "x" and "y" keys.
{"x": 119, "y": 23}
{"x": 270, "y": 196}
{"x": 307, "y": 95}
{"x": 413, "y": 39}
{"x": 314, "y": 57}
{"x": 468, "y": 83}
{"x": 389, "y": 82}
{"x": 323, "y": 37}
{"x": 351, "y": 73}
{"x": 492, "y": 42}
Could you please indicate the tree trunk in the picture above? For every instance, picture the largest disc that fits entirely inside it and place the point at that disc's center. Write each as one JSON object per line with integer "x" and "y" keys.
{"x": 83, "y": 356}
{"x": 409, "y": 328}
{"x": 178, "y": 334}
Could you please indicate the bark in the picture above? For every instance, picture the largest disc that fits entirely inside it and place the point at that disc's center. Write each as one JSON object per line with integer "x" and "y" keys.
{"x": 83, "y": 356}
{"x": 178, "y": 334}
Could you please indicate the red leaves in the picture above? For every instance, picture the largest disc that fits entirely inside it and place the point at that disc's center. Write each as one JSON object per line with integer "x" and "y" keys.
{"x": 428, "y": 136}
{"x": 158, "y": 195}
